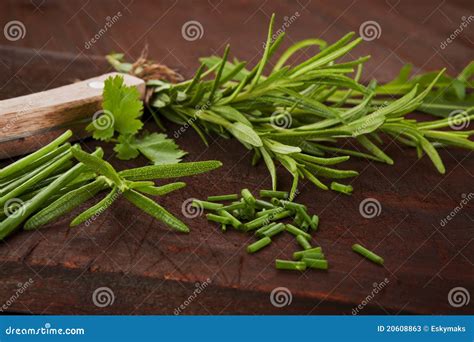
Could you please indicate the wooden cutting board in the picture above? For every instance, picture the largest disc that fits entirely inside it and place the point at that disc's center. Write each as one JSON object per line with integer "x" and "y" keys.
{"x": 34, "y": 120}
{"x": 151, "y": 270}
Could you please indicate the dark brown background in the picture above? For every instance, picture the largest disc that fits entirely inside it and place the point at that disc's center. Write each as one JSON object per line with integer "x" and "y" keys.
{"x": 151, "y": 270}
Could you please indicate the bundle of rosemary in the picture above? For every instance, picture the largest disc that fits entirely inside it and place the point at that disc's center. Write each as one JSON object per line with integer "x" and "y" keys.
{"x": 296, "y": 114}
{"x": 47, "y": 184}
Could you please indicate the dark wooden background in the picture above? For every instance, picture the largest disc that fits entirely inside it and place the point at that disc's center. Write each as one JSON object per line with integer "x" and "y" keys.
{"x": 153, "y": 271}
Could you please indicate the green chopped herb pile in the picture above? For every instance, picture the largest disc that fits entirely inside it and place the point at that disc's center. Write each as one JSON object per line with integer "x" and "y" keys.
{"x": 248, "y": 214}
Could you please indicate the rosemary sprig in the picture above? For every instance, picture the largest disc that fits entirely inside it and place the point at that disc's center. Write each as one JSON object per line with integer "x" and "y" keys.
{"x": 296, "y": 114}
{"x": 57, "y": 186}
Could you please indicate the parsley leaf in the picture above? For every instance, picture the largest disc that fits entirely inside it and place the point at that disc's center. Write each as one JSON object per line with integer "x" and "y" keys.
{"x": 156, "y": 147}
{"x": 122, "y": 109}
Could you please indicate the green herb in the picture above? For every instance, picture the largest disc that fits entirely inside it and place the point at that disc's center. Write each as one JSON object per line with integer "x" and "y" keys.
{"x": 296, "y": 114}
{"x": 290, "y": 265}
{"x": 229, "y": 197}
{"x": 120, "y": 122}
{"x": 300, "y": 254}
{"x": 315, "y": 263}
{"x": 296, "y": 231}
{"x": 258, "y": 245}
{"x": 303, "y": 242}
{"x": 251, "y": 214}
{"x": 367, "y": 254}
{"x": 47, "y": 184}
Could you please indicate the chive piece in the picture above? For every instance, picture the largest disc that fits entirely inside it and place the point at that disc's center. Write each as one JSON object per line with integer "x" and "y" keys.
{"x": 260, "y": 232}
{"x": 300, "y": 254}
{"x": 218, "y": 198}
{"x": 233, "y": 206}
{"x": 292, "y": 205}
{"x": 274, "y": 230}
{"x": 304, "y": 226}
{"x": 233, "y": 221}
{"x": 258, "y": 245}
{"x": 304, "y": 215}
{"x": 314, "y": 222}
{"x": 296, "y": 231}
{"x": 316, "y": 263}
{"x": 206, "y": 205}
{"x": 290, "y": 265}
{"x": 367, "y": 254}
{"x": 248, "y": 197}
{"x": 342, "y": 188}
{"x": 24, "y": 162}
{"x": 297, "y": 219}
{"x": 261, "y": 204}
{"x": 280, "y": 215}
{"x": 274, "y": 193}
{"x": 218, "y": 219}
{"x": 223, "y": 227}
{"x": 303, "y": 242}
{"x": 268, "y": 212}
{"x": 309, "y": 255}
{"x": 258, "y": 222}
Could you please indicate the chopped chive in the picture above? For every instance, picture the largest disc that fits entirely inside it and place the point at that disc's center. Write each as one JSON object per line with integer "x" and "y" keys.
{"x": 303, "y": 242}
{"x": 261, "y": 204}
{"x": 233, "y": 221}
{"x": 274, "y": 230}
{"x": 260, "y": 232}
{"x": 300, "y": 254}
{"x": 248, "y": 197}
{"x": 274, "y": 193}
{"x": 304, "y": 215}
{"x": 223, "y": 227}
{"x": 296, "y": 231}
{"x": 258, "y": 245}
{"x": 207, "y": 205}
{"x": 292, "y": 205}
{"x": 297, "y": 219}
{"x": 218, "y": 198}
{"x": 290, "y": 265}
{"x": 310, "y": 255}
{"x": 342, "y": 188}
{"x": 280, "y": 215}
{"x": 314, "y": 222}
{"x": 258, "y": 222}
{"x": 218, "y": 219}
{"x": 235, "y": 205}
{"x": 304, "y": 226}
{"x": 316, "y": 263}
{"x": 268, "y": 212}
{"x": 367, "y": 254}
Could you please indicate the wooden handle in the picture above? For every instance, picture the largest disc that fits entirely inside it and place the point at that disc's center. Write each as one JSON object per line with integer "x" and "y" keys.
{"x": 31, "y": 121}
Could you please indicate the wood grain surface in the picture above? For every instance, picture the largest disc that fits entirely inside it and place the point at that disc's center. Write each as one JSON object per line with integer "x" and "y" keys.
{"x": 151, "y": 270}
